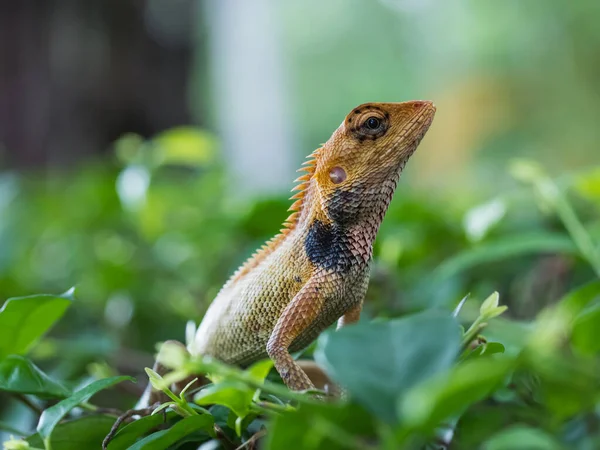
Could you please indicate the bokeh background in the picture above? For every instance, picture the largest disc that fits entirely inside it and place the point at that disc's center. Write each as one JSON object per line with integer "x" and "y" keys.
{"x": 147, "y": 147}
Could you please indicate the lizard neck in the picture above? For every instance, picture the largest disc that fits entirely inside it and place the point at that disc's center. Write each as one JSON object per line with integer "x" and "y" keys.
{"x": 355, "y": 211}
{"x": 373, "y": 206}
{"x": 344, "y": 222}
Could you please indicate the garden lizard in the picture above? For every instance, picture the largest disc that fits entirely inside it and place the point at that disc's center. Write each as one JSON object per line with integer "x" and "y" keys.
{"x": 316, "y": 270}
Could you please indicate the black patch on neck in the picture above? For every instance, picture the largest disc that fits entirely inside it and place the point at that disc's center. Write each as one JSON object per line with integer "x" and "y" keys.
{"x": 327, "y": 246}
{"x": 344, "y": 206}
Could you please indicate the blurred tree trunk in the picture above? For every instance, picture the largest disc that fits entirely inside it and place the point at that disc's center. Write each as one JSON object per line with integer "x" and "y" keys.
{"x": 74, "y": 75}
{"x": 250, "y": 96}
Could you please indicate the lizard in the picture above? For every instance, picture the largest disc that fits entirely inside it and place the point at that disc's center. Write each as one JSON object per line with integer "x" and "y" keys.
{"x": 316, "y": 270}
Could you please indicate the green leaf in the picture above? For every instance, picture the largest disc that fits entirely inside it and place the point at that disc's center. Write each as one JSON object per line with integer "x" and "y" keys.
{"x": 491, "y": 348}
{"x": 402, "y": 352}
{"x": 460, "y": 305}
{"x": 84, "y": 433}
{"x": 164, "y": 406}
{"x": 585, "y": 335}
{"x": 527, "y": 438}
{"x": 486, "y": 349}
{"x": 501, "y": 249}
{"x": 489, "y": 304}
{"x": 514, "y": 335}
{"x": 235, "y": 396}
{"x": 130, "y": 433}
{"x": 565, "y": 384}
{"x": 434, "y": 400}
{"x": 156, "y": 380}
{"x": 259, "y": 370}
{"x": 576, "y": 300}
{"x": 326, "y": 426}
{"x": 553, "y": 325}
{"x": 23, "y": 320}
{"x": 165, "y": 438}
{"x": 53, "y": 415}
{"x": 18, "y": 374}
{"x": 490, "y": 309}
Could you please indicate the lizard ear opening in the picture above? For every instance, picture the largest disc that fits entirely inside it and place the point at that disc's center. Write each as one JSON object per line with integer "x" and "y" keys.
{"x": 337, "y": 175}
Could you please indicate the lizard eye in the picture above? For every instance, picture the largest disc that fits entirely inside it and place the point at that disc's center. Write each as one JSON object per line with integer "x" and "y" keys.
{"x": 337, "y": 175}
{"x": 372, "y": 123}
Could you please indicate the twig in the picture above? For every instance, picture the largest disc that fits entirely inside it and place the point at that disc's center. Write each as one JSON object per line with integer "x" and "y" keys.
{"x": 23, "y": 399}
{"x": 122, "y": 418}
{"x": 110, "y": 411}
{"x": 227, "y": 443}
{"x": 101, "y": 410}
{"x": 269, "y": 407}
{"x": 255, "y": 437}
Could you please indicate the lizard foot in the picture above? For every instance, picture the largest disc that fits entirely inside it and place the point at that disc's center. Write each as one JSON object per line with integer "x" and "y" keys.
{"x": 320, "y": 379}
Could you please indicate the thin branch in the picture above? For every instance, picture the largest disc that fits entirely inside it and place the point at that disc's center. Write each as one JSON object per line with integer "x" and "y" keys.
{"x": 27, "y": 402}
{"x": 227, "y": 443}
{"x": 122, "y": 418}
{"x": 255, "y": 437}
{"x": 101, "y": 410}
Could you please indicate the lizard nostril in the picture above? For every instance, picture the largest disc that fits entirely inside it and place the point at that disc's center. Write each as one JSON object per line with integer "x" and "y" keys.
{"x": 421, "y": 104}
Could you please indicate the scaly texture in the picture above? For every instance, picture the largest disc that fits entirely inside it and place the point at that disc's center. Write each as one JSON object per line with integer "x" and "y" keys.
{"x": 316, "y": 270}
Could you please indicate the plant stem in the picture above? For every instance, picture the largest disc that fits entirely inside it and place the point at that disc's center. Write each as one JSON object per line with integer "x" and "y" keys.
{"x": 276, "y": 407}
{"x": 270, "y": 409}
{"x": 473, "y": 331}
{"x": 578, "y": 233}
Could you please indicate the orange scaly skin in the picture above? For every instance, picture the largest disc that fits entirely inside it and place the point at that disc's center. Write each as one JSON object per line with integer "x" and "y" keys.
{"x": 316, "y": 270}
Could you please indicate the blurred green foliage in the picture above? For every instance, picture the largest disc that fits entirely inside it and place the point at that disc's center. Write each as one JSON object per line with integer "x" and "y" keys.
{"x": 149, "y": 237}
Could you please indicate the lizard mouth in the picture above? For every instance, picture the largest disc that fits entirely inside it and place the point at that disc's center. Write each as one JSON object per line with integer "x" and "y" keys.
{"x": 421, "y": 121}
{"x": 415, "y": 129}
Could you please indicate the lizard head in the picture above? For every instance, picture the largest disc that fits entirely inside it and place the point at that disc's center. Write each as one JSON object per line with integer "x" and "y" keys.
{"x": 357, "y": 169}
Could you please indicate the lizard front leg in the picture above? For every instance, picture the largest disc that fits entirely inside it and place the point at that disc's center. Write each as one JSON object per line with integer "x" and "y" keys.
{"x": 316, "y": 374}
{"x": 296, "y": 317}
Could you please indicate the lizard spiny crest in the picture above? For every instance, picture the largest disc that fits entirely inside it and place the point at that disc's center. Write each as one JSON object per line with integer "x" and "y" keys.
{"x": 289, "y": 224}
